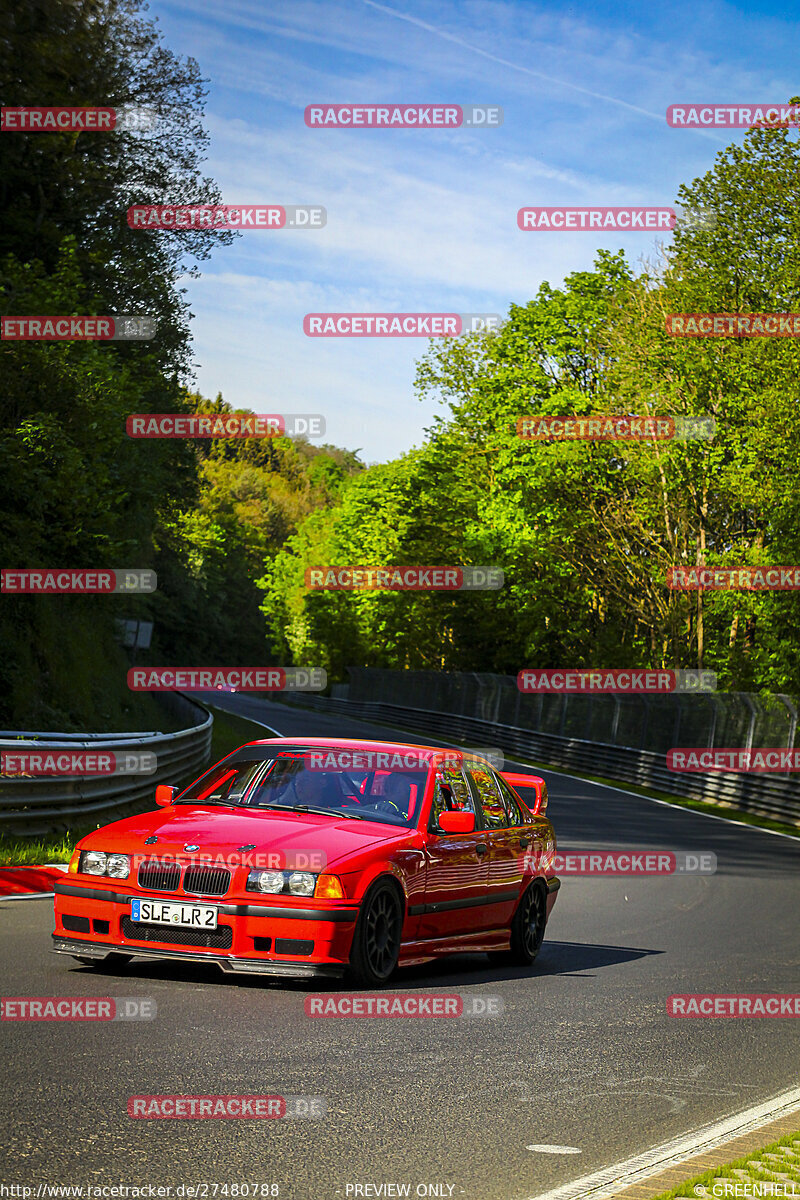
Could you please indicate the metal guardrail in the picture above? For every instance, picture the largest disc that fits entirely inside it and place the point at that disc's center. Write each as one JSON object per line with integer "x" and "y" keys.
{"x": 761, "y": 795}
{"x": 11, "y": 735}
{"x": 45, "y": 803}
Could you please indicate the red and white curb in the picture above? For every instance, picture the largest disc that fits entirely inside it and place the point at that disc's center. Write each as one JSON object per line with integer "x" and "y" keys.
{"x": 30, "y": 883}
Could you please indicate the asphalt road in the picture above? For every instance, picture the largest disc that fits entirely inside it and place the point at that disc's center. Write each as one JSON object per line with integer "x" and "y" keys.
{"x": 584, "y": 1055}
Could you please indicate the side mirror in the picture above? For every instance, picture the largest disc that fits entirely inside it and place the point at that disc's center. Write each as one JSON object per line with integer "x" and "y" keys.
{"x": 165, "y": 794}
{"x": 457, "y": 822}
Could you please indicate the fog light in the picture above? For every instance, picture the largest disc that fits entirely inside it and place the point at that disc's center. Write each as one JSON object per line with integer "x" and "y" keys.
{"x": 118, "y": 866}
{"x": 93, "y": 862}
{"x": 301, "y": 883}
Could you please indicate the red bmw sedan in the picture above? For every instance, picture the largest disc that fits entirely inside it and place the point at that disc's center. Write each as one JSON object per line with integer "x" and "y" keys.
{"x": 318, "y": 856}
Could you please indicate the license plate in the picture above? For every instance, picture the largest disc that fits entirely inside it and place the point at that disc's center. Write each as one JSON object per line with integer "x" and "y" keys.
{"x": 169, "y": 912}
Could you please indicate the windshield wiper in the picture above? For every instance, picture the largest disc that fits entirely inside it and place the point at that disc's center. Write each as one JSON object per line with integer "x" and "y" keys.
{"x": 210, "y": 802}
{"x": 304, "y": 808}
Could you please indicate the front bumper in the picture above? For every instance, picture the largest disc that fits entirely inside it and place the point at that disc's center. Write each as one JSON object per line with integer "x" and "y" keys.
{"x": 264, "y": 939}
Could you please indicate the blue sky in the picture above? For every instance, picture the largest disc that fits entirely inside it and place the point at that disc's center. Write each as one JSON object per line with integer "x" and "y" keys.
{"x": 425, "y": 220}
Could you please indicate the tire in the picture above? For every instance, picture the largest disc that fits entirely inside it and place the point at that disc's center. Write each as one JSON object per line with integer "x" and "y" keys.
{"x": 376, "y": 941}
{"x": 527, "y": 928}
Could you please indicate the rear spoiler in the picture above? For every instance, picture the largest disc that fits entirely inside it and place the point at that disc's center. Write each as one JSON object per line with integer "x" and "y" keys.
{"x": 534, "y": 782}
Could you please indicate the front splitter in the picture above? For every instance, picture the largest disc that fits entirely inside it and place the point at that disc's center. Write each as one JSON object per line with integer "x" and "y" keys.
{"x": 233, "y": 966}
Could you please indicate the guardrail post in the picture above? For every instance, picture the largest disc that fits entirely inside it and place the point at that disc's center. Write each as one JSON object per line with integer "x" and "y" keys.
{"x": 645, "y": 723}
{"x": 751, "y": 729}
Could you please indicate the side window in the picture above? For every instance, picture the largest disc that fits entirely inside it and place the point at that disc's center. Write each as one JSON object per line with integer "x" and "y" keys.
{"x": 462, "y": 797}
{"x": 494, "y": 810}
{"x": 515, "y": 813}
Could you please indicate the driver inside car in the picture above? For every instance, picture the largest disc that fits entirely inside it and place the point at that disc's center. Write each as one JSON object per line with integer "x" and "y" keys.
{"x": 396, "y": 793}
{"x": 311, "y": 788}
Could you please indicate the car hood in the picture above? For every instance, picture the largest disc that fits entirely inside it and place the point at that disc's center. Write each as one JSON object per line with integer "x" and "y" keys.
{"x": 223, "y": 831}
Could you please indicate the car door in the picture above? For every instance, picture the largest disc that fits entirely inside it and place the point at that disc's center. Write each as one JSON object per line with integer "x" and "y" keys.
{"x": 507, "y": 845}
{"x": 457, "y": 866}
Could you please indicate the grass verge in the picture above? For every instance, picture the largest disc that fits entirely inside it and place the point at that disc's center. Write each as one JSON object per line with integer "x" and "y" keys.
{"x": 231, "y": 731}
{"x": 778, "y": 1164}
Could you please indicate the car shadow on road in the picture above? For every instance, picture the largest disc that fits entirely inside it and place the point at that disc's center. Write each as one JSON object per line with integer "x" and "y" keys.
{"x": 458, "y": 970}
{"x": 555, "y": 958}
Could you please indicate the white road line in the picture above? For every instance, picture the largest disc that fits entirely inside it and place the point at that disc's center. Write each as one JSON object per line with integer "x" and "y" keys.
{"x": 555, "y": 1149}
{"x": 606, "y": 1183}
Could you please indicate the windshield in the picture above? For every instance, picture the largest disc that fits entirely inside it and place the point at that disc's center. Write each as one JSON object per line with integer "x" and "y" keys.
{"x": 292, "y": 779}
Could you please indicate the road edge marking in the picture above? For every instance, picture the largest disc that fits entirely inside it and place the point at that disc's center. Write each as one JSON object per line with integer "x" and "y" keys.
{"x": 609, "y": 1181}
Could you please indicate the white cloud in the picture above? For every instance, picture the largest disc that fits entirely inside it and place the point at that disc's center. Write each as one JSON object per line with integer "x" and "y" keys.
{"x": 426, "y": 220}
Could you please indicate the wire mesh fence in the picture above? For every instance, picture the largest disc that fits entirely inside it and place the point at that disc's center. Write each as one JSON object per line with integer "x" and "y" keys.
{"x": 633, "y": 721}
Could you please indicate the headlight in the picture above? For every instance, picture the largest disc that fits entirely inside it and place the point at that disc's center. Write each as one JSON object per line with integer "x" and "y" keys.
{"x": 294, "y": 883}
{"x": 93, "y": 862}
{"x": 118, "y": 866}
{"x": 301, "y": 883}
{"x": 98, "y": 862}
{"x": 266, "y": 881}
